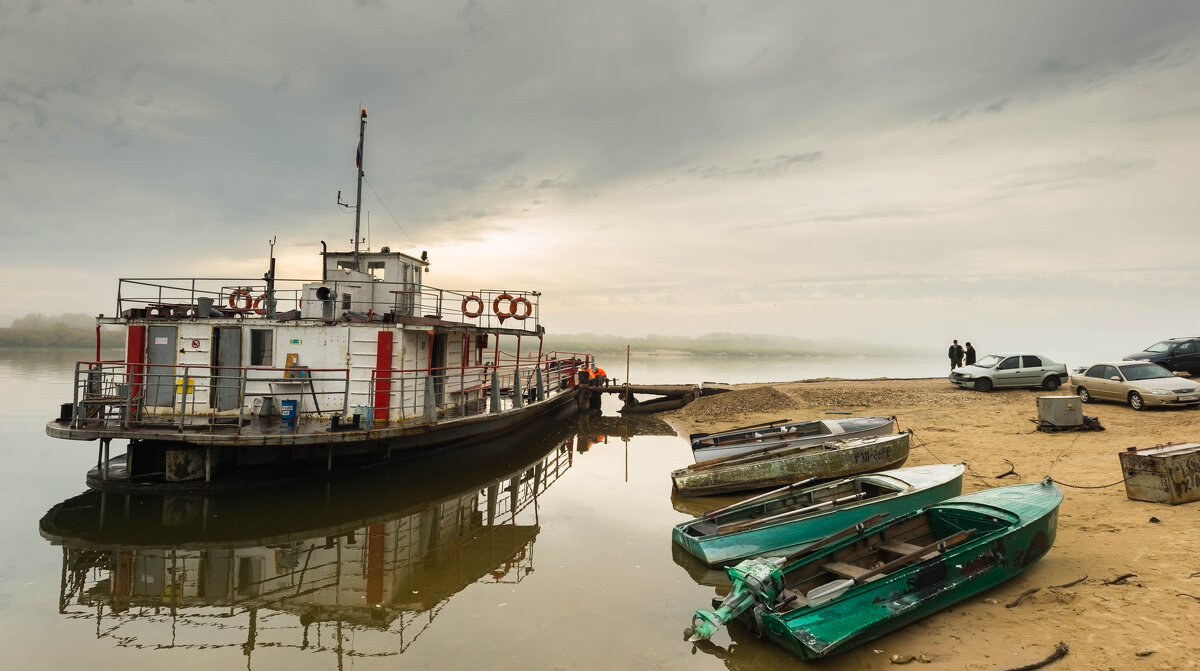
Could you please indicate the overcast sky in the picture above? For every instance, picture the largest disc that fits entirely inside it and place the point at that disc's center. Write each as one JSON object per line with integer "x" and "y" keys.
{"x": 1018, "y": 174}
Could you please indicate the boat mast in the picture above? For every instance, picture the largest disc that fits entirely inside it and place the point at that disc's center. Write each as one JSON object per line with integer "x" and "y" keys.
{"x": 362, "y": 132}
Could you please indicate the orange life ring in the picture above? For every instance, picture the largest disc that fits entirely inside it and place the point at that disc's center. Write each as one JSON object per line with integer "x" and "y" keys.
{"x": 468, "y": 313}
{"x": 244, "y": 295}
{"x": 496, "y": 305}
{"x": 258, "y": 301}
{"x": 520, "y": 300}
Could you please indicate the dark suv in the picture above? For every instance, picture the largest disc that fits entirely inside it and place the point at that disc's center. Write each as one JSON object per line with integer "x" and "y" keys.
{"x": 1182, "y": 354}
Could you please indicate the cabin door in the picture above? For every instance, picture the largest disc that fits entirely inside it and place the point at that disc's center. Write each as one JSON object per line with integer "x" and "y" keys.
{"x": 160, "y": 368}
{"x": 227, "y": 354}
{"x": 437, "y": 362}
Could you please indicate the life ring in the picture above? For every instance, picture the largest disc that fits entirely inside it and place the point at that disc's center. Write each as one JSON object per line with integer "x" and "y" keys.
{"x": 472, "y": 313}
{"x": 520, "y": 300}
{"x": 244, "y": 296}
{"x": 259, "y": 301}
{"x": 496, "y": 306}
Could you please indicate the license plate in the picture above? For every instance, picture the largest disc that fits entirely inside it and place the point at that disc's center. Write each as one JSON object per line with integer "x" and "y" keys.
{"x": 1188, "y": 397}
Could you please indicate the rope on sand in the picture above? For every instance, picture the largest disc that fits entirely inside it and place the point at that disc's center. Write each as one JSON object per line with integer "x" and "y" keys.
{"x": 1060, "y": 651}
{"x": 921, "y": 443}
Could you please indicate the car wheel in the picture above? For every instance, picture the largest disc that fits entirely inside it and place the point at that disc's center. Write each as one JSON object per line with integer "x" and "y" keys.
{"x": 1136, "y": 402}
{"x": 1051, "y": 383}
{"x": 1084, "y": 395}
{"x": 983, "y": 384}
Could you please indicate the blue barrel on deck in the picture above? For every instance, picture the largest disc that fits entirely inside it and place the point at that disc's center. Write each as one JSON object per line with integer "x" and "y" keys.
{"x": 287, "y": 410}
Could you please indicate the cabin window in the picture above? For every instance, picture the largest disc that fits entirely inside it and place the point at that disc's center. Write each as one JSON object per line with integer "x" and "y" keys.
{"x": 348, "y": 265}
{"x": 262, "y": 347}
{"x": 376, "y": 268}
{"x": 345, "y": 301}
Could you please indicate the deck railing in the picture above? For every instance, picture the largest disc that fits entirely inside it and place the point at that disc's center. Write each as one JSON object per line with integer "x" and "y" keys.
{"x": 429, "y": 395}
{"x": 120, "y": 395}
{"x": 117, "y": 394}
{"x": 182, "y": 298}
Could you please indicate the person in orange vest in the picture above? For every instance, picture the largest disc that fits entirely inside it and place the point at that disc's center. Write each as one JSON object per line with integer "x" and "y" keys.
{"x": 599, "y": 377}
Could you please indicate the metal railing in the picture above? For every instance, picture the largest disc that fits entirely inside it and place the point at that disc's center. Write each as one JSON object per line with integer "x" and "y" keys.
{"x": 120, "y": 395}
{"x": 117, "y": 394}
{"x": 189, "y": 298}
{"x": 429, "y": 395}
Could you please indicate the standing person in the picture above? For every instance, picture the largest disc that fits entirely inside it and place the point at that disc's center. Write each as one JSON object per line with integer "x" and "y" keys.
{"x": 956, "y": 355}
{"x": 970, "y": 355}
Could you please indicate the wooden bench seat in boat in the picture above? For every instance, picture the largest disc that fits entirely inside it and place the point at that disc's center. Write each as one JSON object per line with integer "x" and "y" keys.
{"x": 901, "y": 548}
{"x": 844, "y": 570}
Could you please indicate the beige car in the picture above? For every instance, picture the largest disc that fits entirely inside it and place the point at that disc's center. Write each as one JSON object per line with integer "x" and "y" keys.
{"x": 1138, "y": 383}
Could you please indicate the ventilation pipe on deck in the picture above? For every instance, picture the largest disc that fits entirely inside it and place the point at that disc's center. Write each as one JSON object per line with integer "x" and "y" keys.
{"x": 204, "y": 308}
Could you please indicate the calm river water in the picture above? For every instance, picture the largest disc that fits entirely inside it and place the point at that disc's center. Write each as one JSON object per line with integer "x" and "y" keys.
{"x": 556, "y": 557}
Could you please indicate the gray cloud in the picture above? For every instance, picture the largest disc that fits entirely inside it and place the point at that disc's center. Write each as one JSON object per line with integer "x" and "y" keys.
{"x": 759, "y": 168}
{"x": 941, "y": 129}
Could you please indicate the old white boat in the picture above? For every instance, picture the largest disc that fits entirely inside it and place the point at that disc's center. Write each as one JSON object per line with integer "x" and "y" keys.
{"x": 230, "y": 382}
{"x": 763, "y": 438}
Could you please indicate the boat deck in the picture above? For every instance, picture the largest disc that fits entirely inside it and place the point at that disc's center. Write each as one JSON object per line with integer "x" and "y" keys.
{"x": 274, "y": 431}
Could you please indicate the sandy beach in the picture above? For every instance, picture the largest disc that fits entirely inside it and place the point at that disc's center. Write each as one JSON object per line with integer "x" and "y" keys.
{"x": 1142, "y": 622}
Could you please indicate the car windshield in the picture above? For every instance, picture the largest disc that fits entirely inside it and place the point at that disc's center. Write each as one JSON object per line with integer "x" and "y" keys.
{"x": 1163, "y": 346}
{"x": 1146, "y": 371}
{"x": 989, "y": 361}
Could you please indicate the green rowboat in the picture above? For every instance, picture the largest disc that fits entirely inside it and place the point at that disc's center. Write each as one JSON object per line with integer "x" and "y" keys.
{"x": 824, "y": 461}
{"x": 785, "y": 520}
{"x": 865, "y": 582}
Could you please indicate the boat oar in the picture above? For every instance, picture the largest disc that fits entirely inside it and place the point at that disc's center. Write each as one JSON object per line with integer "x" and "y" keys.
{"x": 738, "y": 526}
{"x": 696, "y": 436}
{"x": 838, "y": 535}
{"x": 762, "y": 438}
{"x": 745, "y": 456}
{"x": 713, "y": 513}
{"x": 830, "y": 591}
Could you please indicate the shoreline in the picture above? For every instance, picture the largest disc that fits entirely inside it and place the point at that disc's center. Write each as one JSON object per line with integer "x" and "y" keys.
{"x": 1101, "y": 533}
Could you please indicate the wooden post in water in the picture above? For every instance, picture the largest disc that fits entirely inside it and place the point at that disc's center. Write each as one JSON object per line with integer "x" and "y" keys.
{"x": 626, "y": 397}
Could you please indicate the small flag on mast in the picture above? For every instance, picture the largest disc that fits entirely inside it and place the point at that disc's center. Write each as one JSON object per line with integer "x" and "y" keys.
{"x": 358, "y": 156}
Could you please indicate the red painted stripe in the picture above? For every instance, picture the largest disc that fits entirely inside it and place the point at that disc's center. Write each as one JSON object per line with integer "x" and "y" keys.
{"x": 135, "y": 358}
{"x": 383, "y": 373}
{"x": 374, "y": 564}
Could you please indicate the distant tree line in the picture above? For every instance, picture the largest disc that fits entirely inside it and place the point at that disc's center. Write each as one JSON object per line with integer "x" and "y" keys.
{"x": 65, "y": 330}
{"x": 721, "y": 344}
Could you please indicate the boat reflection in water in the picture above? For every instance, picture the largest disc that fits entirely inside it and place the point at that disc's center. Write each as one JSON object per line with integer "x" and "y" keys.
{"x": 350, "y": 567}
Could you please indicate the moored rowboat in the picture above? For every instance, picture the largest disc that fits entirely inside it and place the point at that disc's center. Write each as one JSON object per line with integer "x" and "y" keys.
{"x": 788, "y": 519}
{"x": 865, "y": 582}
{"x": 758, "y": 438}
{"x": 824, "y": 461}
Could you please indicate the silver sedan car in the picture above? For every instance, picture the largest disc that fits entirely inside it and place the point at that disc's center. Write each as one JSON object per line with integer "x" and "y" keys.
{"x": 1138, "y": 383}
{"x": 1010, "y": 369}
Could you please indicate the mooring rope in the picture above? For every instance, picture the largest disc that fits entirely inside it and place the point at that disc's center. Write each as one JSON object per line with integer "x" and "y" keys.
{"x": 1065, "y": 484}
{"x": 984, "y": 480}
{"x": 922, "y": 444}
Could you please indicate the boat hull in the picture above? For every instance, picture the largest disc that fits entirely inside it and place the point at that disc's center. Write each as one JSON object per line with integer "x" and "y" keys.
{"x": 825, "y": 461}
{"x": 313, "y": 456}
{"x": 915, "y": 488}
{"x": 872, "y": 609}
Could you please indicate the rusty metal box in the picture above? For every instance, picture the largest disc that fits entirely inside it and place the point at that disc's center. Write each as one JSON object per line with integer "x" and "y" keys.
{"x": 1162, "y": 474}
{"x": 1060, "y": 410}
